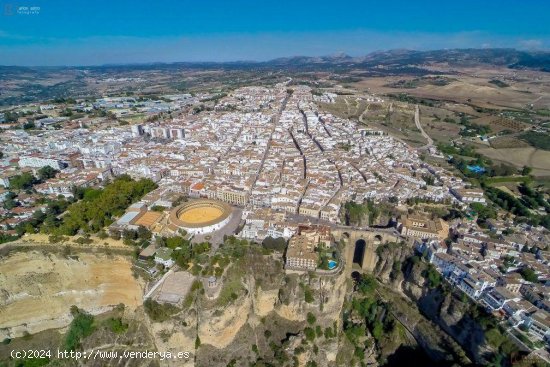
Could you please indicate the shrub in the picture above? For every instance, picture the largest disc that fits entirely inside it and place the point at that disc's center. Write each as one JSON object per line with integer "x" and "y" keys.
{"x": 157, "y": 311}
{"x": 81, "y": 327}
{"x": 308, "y": 295}
{"x": 278, "y": 244}
{"x": 309, "y": 333}
{"x": 116, "y": 325}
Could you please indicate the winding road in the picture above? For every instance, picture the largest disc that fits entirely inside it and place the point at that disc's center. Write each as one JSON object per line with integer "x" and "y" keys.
{"x": 419, "y": 126}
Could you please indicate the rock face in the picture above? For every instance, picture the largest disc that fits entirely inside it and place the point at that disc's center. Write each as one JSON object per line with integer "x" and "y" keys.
{"x": 273, "y": 320}
{"x": 443, "y": 308}
{"x": 220, "y": 330}
{"x": 269, "y": 319}
{"x": 447, "y": 311}
{"x": 390, "y": 258}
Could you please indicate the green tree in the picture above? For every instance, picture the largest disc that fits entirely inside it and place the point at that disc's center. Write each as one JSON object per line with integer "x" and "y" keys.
{"x": 116, "y": 325}
{"x": 143, "y": 233}
{"x": 377, "y": 330}
{"x": 529, "y": 275}
{"x": 23, "y": 181}
{"x": 98, "y": 207}
{"x": 278, "y": 244}
{"x": 29, "y": 125}
{"x": 81, "y": 327}
{"x": 174, "y": 242}
{"x": 433, "y": 277}
{"x": 46, "y": 172}
{"x": 308, "y": 295}
{"x": 309, "y": 333}
{"x": 367, "y": 284}
{"x": 9, "y": 202}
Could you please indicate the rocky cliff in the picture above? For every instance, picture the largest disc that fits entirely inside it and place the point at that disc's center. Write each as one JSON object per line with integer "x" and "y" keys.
{"x": 450, "y": 312}
{"x": 447, "y": 309}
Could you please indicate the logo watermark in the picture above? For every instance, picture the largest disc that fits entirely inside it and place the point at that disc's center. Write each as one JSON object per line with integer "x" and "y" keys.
{"x": 14, "y": 9}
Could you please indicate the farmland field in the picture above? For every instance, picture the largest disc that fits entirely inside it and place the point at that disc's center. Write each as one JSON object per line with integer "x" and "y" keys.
{"x": 538, "y": 159}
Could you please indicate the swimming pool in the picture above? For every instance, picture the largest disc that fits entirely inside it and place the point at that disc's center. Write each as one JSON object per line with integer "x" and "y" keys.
{"x": 332, "y": 264}
{"x": 476, "y": 169}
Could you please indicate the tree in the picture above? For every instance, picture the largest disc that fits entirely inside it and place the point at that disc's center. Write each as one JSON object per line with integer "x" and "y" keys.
{"x": 11, "y": 116}
{"x": 526, "y": 171}
{"x": 1, "y": 155}
{"x": 46, "y": 172}
{"x": 129, "y": 234}
{"x": 116, "y": 235}
{"x": 311, "y": 318}
{"x": 308, "y": 295}
{"x": 23, "y": 181}
{"x": 159, "y": 312}
{"x": 310, "y": 334}
{"x": 9, "y": 202}
{"x": 81, "y": 327}
{"x": 377, "y": 330}
{"x": 174, "y": 242}
{"x": 529, "y": 275}
{"x": 143, "y": 233}
{"x": 434, "y": 278}
{"x": 29, "y": 125}
{"x": 277, "y": 244}
{"x": 98, "y": 207}
{"x": 367, "y": 284}
{"x": 484, "y": 212}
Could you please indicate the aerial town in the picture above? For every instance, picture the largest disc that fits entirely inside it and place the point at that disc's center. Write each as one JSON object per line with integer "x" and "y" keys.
{"x": 260, "y": 184}
{"x": 266, "y": 162}
{"x": 329, "y": 223}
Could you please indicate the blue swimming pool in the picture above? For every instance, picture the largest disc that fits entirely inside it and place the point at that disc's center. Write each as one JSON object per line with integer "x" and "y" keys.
{"x": 332, "y": 264}
{"x": 476, "y": 169}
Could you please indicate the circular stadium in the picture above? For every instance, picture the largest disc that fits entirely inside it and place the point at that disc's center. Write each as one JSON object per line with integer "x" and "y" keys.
{"x": 201, "y": 216}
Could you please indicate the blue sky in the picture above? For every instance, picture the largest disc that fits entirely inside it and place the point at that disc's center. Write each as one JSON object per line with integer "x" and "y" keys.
{"x": 91, "y": 32}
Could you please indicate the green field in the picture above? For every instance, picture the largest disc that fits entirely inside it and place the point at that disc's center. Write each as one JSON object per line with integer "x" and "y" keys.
{"x": 536, "y": 139}
{"x": 501, "y": 179}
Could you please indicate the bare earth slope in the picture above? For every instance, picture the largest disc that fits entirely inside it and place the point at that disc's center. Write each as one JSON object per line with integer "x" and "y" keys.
{"x": 37, "y": 289}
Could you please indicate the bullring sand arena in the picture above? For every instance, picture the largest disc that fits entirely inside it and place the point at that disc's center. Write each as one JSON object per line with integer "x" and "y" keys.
{"x": 201, "y": 216}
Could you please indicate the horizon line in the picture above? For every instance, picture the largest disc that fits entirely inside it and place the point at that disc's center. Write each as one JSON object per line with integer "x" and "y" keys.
{"x": 236, "y": 61}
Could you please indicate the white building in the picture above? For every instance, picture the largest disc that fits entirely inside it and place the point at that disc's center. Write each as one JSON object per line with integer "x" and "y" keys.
{"x": 39, "y": 162}
{"x": 164, "y": 256}
{"x": 469, "y": 196}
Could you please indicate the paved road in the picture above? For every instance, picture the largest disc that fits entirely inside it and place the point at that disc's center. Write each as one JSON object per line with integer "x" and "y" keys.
{"x": 419, "y": 126}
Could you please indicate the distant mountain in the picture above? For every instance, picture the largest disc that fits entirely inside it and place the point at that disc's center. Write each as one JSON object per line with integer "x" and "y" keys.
{"x": 407, "y": 58}
{"x": 392, "y": 59}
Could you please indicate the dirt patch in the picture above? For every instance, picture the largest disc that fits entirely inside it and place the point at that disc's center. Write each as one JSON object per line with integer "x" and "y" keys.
{"x": 265, "y": 302}
{"x": 38, "y": 288}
